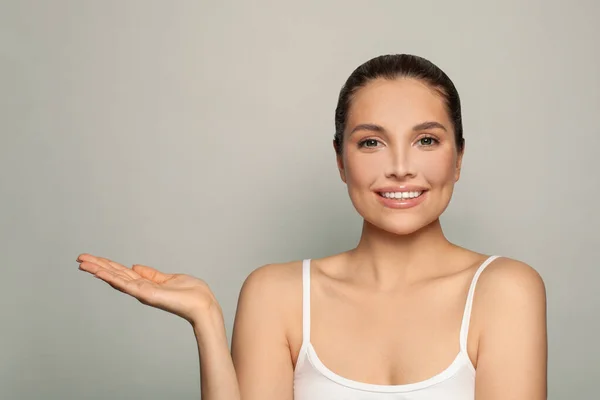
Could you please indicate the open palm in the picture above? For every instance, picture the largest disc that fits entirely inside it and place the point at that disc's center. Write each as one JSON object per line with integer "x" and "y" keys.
{"x": 180, "y": 294}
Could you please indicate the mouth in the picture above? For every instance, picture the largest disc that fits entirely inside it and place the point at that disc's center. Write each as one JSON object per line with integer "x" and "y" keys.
{"x": 406, "y": 195}
{"x": 401, "y": 200}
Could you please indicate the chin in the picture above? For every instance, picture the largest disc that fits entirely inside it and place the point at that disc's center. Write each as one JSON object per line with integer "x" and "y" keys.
{"x": 401, "y": 229}
{"x": 400, "y": 222}
{"x": 401, "y": 226}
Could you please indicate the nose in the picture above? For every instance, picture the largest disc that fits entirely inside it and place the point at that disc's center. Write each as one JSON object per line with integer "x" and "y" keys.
{"x": 399, "y": 164}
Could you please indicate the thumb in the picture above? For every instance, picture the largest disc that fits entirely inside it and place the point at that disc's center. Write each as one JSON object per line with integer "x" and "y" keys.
{"x": 150, "y": 273}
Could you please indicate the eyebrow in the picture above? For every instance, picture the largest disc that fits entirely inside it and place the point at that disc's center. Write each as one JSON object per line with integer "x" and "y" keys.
{"x": 428, "y": 125}
{"x": 419, "y": 127}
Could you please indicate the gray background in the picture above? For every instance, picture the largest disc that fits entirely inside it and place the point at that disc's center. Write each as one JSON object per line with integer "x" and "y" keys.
{"x": 196, "y": 137}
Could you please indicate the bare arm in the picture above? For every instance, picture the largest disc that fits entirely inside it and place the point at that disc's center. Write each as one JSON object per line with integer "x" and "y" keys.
{"x": 260, "y": 348}
{"x": 512, "y": 355}
{"x": 217, "y": 375}
{"x": 187, "y": 297}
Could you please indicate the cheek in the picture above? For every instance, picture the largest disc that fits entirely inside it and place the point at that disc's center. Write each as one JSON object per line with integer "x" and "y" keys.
{"x": 361, "y": 171}
{"x": 438, "y": 170}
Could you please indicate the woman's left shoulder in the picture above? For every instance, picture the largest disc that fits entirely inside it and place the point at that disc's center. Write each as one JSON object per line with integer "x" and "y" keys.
{"x": 509, "y": 279}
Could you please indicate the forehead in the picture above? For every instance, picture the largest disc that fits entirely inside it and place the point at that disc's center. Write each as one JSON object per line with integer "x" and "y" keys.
{"x": 397, "y": 104}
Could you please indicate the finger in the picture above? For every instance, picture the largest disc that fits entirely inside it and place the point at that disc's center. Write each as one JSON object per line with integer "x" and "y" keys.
{"x": 142, "y": 290}
{"x": 88, "y": 258}
{"x": 108, "y": 264}
{"x": 118, "y": 267}
{"x": 95, "y": 269}
{"x": 113, "y": 280}
{"x": 90, "y": 267}
{"x": 119, "y": 282}
{"x": 151, "y": 273}
{"x": 85, "y": 257}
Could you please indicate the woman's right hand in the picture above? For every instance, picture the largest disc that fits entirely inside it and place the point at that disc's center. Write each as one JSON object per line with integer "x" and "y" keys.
{"x": 179, "y": 294}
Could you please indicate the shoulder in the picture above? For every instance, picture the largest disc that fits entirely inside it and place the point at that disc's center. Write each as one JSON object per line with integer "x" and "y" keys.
{"x": 506, "y": 276}
{"x": 270, "y": 304}
{"x": 273, "y": 276}
{"x": 272, "y": 285}
{"x": 286, "y": 277}
{"x": 509, "y": 290}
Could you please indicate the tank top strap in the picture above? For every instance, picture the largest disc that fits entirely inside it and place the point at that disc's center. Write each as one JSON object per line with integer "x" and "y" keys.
{"x": 306, "y": 301}
{"x": 466, "y": 320}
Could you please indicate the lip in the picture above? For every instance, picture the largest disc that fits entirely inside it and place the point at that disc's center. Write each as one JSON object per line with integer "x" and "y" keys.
{"x": 401, "y": 188}
{"x": 401, "y": 203}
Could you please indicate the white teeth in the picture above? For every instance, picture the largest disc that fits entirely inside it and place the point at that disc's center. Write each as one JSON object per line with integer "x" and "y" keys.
{"x": 401, "y": 195}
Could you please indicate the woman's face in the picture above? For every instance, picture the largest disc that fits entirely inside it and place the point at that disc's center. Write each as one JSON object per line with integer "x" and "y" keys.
{"x": 399, "y": 158}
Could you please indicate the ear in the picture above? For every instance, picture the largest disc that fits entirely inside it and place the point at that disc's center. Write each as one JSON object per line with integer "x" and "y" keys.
{"x": 459, "y": 163}
{"x": 340, "y": 163}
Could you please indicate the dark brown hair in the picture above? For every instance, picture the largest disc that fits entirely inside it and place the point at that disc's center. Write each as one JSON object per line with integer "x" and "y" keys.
{"x": 392, "y": 67}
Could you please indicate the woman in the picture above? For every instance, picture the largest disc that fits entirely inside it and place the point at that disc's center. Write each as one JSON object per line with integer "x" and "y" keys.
{"x": 398, "y": 316}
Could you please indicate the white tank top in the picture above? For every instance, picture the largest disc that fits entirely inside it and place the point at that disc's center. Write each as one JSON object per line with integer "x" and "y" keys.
{"x": 314, "y": 381}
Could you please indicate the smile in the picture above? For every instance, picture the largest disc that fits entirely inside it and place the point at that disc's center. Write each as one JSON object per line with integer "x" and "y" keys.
{"x": 402, "y": 199}
{"x": 401, "y": 195}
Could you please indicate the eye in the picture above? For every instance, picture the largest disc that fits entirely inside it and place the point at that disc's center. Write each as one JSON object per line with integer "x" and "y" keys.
{"x": 370, "y": 143}
{"x": 428, "y": 141}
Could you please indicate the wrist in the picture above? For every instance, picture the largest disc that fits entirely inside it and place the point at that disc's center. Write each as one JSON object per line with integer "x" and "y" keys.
{"x": 209, "y": 324}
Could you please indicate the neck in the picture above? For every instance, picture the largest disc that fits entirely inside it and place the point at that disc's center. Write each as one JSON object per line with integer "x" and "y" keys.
{"x": 385, "y": 259}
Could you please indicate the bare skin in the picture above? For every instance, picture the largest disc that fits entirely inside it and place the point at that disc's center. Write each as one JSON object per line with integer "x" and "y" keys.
{"x": 404, "y": 284}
